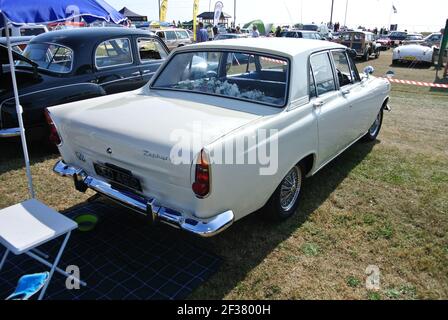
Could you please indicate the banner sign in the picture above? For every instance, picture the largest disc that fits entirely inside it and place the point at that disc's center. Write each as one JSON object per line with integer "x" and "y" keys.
{"x": 195, "y": 15}
{"x": 218, "y": 11}
{"x": 163, "y": 9}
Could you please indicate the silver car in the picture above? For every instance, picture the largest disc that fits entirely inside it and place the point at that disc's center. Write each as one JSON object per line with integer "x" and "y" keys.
{"x": 174, "y": 38}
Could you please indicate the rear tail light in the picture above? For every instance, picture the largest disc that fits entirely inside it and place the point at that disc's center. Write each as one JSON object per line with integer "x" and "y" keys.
{"x": 201, "y": 185}
{"x": 54, "y": 135}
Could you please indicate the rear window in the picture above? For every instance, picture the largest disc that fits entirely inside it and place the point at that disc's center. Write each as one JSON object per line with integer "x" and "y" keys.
{"x": 310, "y": 27}
{"x": 289, "y": 34}
{"x": 51, "y": 57}
{"x": 231, "y": 74}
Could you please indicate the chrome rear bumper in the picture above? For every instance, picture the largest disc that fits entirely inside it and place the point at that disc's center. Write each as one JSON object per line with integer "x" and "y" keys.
{"x": 9, "y": 133}
{"x": 147, "y": 206}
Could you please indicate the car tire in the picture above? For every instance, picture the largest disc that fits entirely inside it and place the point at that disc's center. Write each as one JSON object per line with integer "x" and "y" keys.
{"x": 366, "y": 56}
{"x": 395, "y": 62}
{"x": 282, "y": 205}
{"x": 375, "y": 129}
{"x": 377, "y": 54}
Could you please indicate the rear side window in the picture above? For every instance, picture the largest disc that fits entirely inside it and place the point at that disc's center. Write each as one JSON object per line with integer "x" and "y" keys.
{"x": 113, "y": 52}
{"x": 182, "y": 35}
{"x": 307, "y": 35}
{"x": 323, "y": 73}
{"x": 150, "y": 50}
{"x": 4, "y": 32}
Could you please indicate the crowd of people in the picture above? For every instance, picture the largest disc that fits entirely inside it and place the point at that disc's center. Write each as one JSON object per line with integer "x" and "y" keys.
{"x": 203, "y": 34}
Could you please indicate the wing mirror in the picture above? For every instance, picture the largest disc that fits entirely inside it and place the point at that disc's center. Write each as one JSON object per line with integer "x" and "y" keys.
{"x": 390, "y": 74}
{"x": 351, "y": 52}
{"x": 369, "y": 70}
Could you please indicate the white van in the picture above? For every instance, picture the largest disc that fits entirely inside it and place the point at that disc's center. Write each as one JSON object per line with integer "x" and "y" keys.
{"x": 25, "y": 30}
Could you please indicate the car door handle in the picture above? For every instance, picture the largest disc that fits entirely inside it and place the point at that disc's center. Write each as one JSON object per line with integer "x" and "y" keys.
{"x": 346, "y": 92}
{"x": 137, "y": 73}
{"x": 146, "y": 71}
{"x": 318, "y": 103}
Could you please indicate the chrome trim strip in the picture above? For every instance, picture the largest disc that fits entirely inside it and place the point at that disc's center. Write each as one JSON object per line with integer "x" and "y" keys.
{"x": 8, "y": 133}
{"x": 148, "y": 206}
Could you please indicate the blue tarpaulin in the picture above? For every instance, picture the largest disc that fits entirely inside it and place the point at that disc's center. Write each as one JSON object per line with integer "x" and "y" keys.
{"x": 46, "y": 11}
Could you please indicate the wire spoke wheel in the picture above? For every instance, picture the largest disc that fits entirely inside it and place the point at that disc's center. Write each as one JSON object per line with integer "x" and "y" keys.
{"x": 376, "y": 125}
{"x": 290, "y": 189}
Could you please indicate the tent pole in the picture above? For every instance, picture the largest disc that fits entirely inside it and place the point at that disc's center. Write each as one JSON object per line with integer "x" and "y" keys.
{"x": 18, "y": 107}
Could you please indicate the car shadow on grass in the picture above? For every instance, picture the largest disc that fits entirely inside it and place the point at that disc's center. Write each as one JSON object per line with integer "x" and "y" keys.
{"x": 418, "y": 66}
{"x": 11, "y": 154}
{"x": 249, "y": 241}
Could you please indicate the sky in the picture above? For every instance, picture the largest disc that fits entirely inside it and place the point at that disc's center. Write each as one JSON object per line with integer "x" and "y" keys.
{"x": 412, "y": 15}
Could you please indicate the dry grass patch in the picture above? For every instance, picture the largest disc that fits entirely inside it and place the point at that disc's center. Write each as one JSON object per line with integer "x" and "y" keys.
{"x": 383, "y": 204}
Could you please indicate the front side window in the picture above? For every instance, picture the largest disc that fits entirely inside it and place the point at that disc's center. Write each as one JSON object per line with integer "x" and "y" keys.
{"x": 113, "y": 52}
{"x": 238, "y": 75}
{"x": 51, "y": 57}
{"x": 150, "y": 50}
{"x": 170, "y": 35}
{"x": 323, "y": 73}
{"x": 342, "y": 68}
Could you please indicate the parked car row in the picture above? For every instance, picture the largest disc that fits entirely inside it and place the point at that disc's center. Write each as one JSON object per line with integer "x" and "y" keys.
{"x": 71, "y": 65}
{"x": 121, "y": 146}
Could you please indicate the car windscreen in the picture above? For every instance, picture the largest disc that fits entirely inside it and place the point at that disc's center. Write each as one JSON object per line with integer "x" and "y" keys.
{"x": 310, "y": 27}
{"x": 231, "y": 74}
{"x": 51, "y": 57}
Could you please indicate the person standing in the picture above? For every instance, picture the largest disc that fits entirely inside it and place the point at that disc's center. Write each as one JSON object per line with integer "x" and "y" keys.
{"x": 238, "y": 30}
{"x": 201, "y": 33}
{"x": 255, "y": 33}
{"x": 215, "y": 32}
{"x": 278, "y": 32}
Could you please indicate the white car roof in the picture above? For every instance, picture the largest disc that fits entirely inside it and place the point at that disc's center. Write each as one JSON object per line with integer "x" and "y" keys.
{"x": 287, "y": 47}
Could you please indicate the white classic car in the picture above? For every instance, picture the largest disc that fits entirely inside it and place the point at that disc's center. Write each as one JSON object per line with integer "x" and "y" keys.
{"x": 223, "y": 129}
{"x": 415, "y": 53}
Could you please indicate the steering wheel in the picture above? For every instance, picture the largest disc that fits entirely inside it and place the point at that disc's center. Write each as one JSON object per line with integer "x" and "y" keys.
{"x": 211, "y": 74}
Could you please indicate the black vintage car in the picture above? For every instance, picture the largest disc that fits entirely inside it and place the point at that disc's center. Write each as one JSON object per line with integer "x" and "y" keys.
{"x": 69, "y": 65}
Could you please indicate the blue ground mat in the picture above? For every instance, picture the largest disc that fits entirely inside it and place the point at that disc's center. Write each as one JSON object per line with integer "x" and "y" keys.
{"x": 123, "y": 257}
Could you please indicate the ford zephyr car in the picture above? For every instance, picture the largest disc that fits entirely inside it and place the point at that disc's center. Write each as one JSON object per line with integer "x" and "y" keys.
{"x": 159, "y": 150}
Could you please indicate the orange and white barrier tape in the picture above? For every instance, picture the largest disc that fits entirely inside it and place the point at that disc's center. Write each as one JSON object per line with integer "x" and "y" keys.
{"x": 283, "y": 62}
{"x": 418, "y": 83}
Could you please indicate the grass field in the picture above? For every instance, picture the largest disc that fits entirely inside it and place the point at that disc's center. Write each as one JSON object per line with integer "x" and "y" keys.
{"x": 383, "y": 204}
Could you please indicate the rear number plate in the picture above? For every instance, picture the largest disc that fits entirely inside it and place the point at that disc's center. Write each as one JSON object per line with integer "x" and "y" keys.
{"x": 117, "y": 175}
